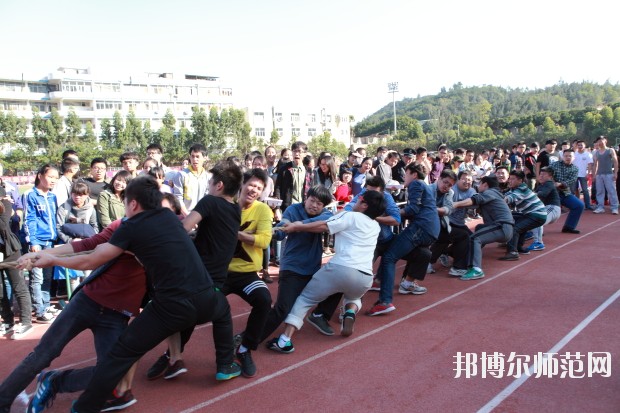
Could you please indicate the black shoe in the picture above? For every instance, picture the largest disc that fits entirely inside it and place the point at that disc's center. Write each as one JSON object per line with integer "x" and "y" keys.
{"x": 523, "y": 251}
{"x": 320, "y": 323}
{"x": 511, "y": 256}
{"x": 248, "y": 368}
{"x": 273, "y": 345}
{"x": 158, "y": 368}
{"x": 348, "y": 321}
{"x": 568, "y": 230}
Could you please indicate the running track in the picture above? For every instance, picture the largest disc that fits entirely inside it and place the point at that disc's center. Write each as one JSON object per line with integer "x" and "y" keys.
{"x": 563, "y": 299}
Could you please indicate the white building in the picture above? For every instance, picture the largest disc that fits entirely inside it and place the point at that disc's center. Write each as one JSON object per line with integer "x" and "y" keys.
{"x": 93, "y": 98}
{"x": 304, "y": 126}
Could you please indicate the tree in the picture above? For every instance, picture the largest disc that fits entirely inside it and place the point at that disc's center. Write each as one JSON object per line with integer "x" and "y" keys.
{"x": 12, "y": 128}
{"x": 107, "y": 136}
{"x": 200, "y": 126}
{"x": 38, "y": 130}
{"x": 118, "y": 134}
{"x": 73, "y": 127}
{"x": 89, "y": 134}
{"x": 529, "y": 130}
{"x": 134, "y": 139}
{"x": 325, "y": 142}
{"x": 274, "y": 137}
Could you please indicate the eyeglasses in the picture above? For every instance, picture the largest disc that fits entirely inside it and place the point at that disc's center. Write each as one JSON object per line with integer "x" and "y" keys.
{"x": 98, "y": 168}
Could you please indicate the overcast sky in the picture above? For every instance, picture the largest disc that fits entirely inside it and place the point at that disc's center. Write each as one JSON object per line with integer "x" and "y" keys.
{"x": 335, "y": 54}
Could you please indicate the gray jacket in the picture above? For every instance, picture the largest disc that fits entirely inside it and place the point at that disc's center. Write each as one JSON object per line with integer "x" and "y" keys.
{"x": 68, "y": 212}
{"x": 493, "y": 208}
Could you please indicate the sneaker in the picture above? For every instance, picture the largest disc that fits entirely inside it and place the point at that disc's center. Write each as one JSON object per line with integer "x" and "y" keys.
{"x": 44, "y": 394}
{"x": 414, "y": 288}
{"x": 21, "y": 330}
{"x": 248, "y": 368}
{"x": 536, "y": 246}
{"x": 6, "y": 328}
{"x": 457, "y": 272}
{"x": 430, "y": 269}
{"x": 320, "y": 323}
{"x": 380, "y": 308}
{"x": 273, "y": 345}
{"x": 228, "y": 372}
{"x": 444, "y": 260}
{"x": 158, "y": 369}
{"x": 599, "y": 211}
{"x": 568, "y": 230}
{"x": 174, "y": 370}
{"x": 45, "y": 318}
{"x": 472, "y": 274}
{"x": 266, "y": 277}
{"x": 348, "y": 321}
{"x": 53, "y": 311}
{"x": 376, "y": 285}
{"x": 511, "y": 256}
{"x": 119, "y": 402}
{"x": 528, "y": 236}
{"x": 614, "y": 211}
{"x": 523, "y": 251}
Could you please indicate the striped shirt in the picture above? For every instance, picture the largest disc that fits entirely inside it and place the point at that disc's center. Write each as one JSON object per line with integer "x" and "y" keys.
{"x": 526, "y": 201}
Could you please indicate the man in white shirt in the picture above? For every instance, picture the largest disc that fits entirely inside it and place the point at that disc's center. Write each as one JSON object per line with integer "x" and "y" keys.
{"x": 583, "y": 161}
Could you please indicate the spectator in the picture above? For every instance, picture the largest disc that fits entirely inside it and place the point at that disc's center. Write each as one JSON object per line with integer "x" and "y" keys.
{"x": 292, "y": 178}
{"x": 565, "y": 175}
{"x": 605, "y": 171}
{"x": 360, "y": 174}
{"x": 97, "y": 181}
{"x": 192, "y": 183}
{"x": 69, "y": 169}
{"x": 110, "y": 206}
{"x": 130, "y": 162}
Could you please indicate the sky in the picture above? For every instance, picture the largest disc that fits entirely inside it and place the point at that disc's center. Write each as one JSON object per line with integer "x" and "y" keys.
{"x": 333, "y": 54}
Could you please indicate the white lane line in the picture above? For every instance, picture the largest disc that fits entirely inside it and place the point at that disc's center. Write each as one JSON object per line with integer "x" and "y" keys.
{"x": 512, "y": 387}
{"x": 382, "y": 328}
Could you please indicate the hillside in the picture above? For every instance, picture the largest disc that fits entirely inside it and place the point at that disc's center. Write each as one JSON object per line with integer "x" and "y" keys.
{"x": 492, "y": 112}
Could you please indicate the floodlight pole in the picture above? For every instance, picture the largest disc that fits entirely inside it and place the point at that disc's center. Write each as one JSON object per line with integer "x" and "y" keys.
{"x": 393, "y": 88}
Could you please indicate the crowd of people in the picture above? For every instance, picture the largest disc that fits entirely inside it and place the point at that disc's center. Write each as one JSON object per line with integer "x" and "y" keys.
{"x": 213, "y": 231}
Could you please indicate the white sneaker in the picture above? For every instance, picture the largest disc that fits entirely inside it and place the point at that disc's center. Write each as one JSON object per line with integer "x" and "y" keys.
{"x": 614, "y": 212}
{"x": 599, "y": 211}
{"x": 21, "y": 330}
{"x": 53, "y": 311}
{"x": 444, "y": 260}
{"x": 414, "y": 288}
{"x": 430, "y": 269}
{"x": 457, "y": 272}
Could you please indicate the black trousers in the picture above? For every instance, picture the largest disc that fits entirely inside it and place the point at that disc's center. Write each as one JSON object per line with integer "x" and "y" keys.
{"x": 454, "y": 243}
{"x": 158, "y": 321}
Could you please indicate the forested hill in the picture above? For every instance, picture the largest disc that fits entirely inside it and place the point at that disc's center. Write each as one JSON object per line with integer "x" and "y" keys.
{"x": 493, "y": 107}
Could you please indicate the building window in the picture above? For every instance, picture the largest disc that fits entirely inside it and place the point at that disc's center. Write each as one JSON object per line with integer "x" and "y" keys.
{"x": 280, "y": 131}
{"x": 37, "y": 87}
{"x": 311, "y": 132}
{"x": 296, "y": 132}
{"x": 294, "y": 117}
{"x": 259, "y": 132}
{"x": 75, "y": 86}
{"x": 312, "y": 117}
{"x": 108, "y": 105}
{"x": 259, "y": 116}
{"x": 11, "y": 86}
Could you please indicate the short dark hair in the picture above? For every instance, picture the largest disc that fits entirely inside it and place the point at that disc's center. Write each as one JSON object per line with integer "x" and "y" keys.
{"x": 491, "y": 181}
{"x": 463, "y": 172}
{"x": 255, "y": 173}
{"x": 145, "y": 191}
{"x": 155, "y": 146}
{"x": 417, "y": 169}
{"x": 229, "y": 174}
{"x": 307, "y": 159}
{"x": 420, "y": 150}
{"x": 174, "y": 202}
{"x": 501, "y": 167}
{"x": 448, "y": 173}
{"x": 128, "y": 155}
{"x": 80, "y": 188}
{"x": 69, "y": 152}
{"x": 376, "y": 203}
{"x": 198, "y": 147}
{"x": 376, "y": 181}
{"x": 321, "y": 193}
{"x": 99, "y": 160}
{"x": 68, "y": 163}
{"x": 42, "y": 171}
{"x": 548, "y": 170}
{"x": 299, "y": 145}
{"x": 519, "y": 174}
{"x": 157, "y": 172}
{"x": 568, "y": 150}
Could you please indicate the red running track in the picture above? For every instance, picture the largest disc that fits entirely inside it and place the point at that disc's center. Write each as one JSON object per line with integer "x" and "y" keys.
{"x": 562, "y": 299}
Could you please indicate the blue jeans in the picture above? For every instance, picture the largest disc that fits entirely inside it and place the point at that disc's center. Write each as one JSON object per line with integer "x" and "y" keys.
{"x": 40, "y": 285}
{"x": 575, "y": 207}
{"x": 400, "y": 246}
{"x": 583, "y": 184}
{"x": 80, "y": 314}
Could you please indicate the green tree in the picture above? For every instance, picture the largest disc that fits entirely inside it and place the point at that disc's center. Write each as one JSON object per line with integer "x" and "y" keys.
{"x": 325, "y": 142}
{"x": 107, "y": 136}
{"x": 73, "y": 128}
{"x": 12, "y": 128}
{"x": 118, "y": 135}
{"x": 607, "y": 117}
{"x": 274, "y": 137}
{"x": 134, "y": 137}
{"x": 147, "y": 132}
{"x": 38, "y": 130}
{"x": 200, "y": 126}
{"x": 89, "y": 137}
{"x": 529, "y": 130}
